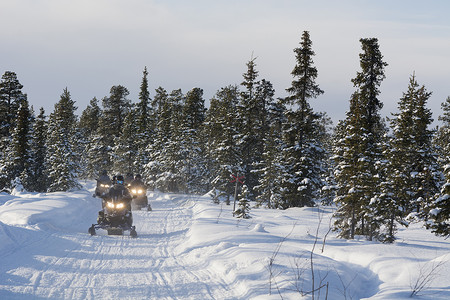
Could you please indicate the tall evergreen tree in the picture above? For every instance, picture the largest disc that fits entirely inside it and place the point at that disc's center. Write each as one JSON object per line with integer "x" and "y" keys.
{"x": 414, "y": 162}
{"x": 125, "y": 149}
{"x": 161, "y": 117}
{"x": 442, "y": 137}
{"x": 270, "y": 168}
{"x": 359, "y": 148}
{"x": 88, "y": 127}
{"x": 222, "y": 150}
{"x": 61, "y": 158}
{"x": 10, "y": 98}
{"x": 439, "y": 215}
{"x": 18, "y": 158}
{"x": 39, "y": 150}
{"x": 192, "y": 150}
{"x": 250, "y": 126}
{"x": 145, "y": 124}
{"x": 302, "y": 151}
{"x": 115, "y": 109}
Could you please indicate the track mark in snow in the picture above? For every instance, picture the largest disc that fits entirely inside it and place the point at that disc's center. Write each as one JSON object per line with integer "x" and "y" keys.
{"x": 73, "y": 265}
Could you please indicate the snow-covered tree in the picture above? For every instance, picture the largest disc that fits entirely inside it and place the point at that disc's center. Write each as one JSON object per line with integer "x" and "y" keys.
{"x": 302, "y": 152}
{"x": 126, "y": 146}
{"x": 88, "y": 126}
{"x": 39, "y": 150}
{"x": 145, "y": 124}
{"x": 250, "y": 121}
{"x": 358, "y": 148}
{"x": 192, "y": 150}
{"x": 439, "y": 214}
{"x": 17, "y": 160}
{"x": 61, "y": 158}
{"x": 244, "y": 203}
{"x": 222, "y": 131}
{"x": 414, "y": 171}
{"x": 10, "y": 98}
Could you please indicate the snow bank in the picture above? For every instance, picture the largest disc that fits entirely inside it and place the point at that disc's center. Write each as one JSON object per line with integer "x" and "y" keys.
{"x": 190, "y": 248}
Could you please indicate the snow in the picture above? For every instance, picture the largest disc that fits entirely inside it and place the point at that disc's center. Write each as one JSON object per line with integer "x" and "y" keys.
{"x": 190, "y": 248}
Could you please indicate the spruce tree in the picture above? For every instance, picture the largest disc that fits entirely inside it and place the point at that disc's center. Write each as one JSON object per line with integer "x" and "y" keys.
{"x": 61, "y": 158}
{"x": 125, "y": 146}
{"x": 358, "y": 148}
{"x": 222, "y": 150}
{"x": 442, "y": 137}
{"x": 243, "y": 204}
{"x": 192, "y": 152}
{"x": 115, "y": 109}
{"x": 18, "y": 158}
{"x": 439, "y": 214}
{"x": 88, "y": 127}
{"x": 145, "y": 124}
{"x": 269, "y": 167}
{"x": 250, "y": 126}
{"x": 39, "y": 150}
{"x": 10, "y": 98}
{"x": 302, "y": 152}
{"x": 161, "y": 117}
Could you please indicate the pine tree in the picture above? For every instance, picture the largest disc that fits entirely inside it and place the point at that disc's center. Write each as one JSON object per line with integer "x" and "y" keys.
{"x": 145, "y": 125}
{"x": 125, "y": 149}
{"x": 302, "y": 152}
{"x": 250, "y": 126}
{"x": 222, "y": 149}
{"x": 39, "y": 150}
{"x": 269, "y": 167}
{"x": 243, "y": 204}
{"x": 358, "y": 148}
{"x": 439, "y": 214}
{"x": 416, "y": 174}
{"x": 115, "y": 109}
{"x": 88, "y": 127}
{"x": 61, "y": 158}
{"x": 10, "y": 98}
{"x": 164, "y": 168}
{"x": 18, "y": 158}
{"x": 192, "y": 152}
{"x": 442, "y": 137}
{"x": 161, "y": 117}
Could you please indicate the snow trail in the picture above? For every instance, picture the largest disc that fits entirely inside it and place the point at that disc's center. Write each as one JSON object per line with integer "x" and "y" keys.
{"x": 77, "y": 266}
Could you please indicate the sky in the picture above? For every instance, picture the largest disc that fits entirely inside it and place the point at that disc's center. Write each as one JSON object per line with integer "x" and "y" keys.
{"x": 89, "y": 46}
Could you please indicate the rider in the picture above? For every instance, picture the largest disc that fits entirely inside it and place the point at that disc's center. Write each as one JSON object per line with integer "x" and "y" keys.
{"x": 103, "y": 183}
{"x": 119, "y": 191}
{"x": 137, "y": 182}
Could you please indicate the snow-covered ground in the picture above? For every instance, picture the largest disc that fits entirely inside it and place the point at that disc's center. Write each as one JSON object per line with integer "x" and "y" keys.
{"x": 190, "y": 248}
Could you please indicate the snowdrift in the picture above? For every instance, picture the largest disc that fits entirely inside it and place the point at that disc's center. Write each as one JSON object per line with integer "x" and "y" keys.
{"x": 190, "y": 248}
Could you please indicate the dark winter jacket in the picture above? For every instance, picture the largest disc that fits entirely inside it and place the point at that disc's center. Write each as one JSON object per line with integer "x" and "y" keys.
{"x": 119, "y": 191}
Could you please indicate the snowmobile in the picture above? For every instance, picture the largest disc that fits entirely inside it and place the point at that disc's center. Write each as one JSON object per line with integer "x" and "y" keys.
{"x": 140, "y": 200}
{"x": 115, "y": 218}
{"x": 102, "y": 188}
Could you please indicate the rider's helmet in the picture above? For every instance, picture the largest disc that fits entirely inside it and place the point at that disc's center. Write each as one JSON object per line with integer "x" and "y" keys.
{"x": 138, "y": 176}
{"x": 104, "y": 172}
{"x": 119, "y": 179}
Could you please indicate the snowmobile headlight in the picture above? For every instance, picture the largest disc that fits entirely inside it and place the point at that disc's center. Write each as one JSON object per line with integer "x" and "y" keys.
{"x": 104, "y": 185}
{"x": 140, "y": 191}
{"x": 120, "y": 205}
{"x": 110, "y": 204}
{"x": 134, "y": 191}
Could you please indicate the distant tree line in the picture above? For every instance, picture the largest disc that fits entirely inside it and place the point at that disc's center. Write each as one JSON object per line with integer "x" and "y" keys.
{"x": 379, "y": 173}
